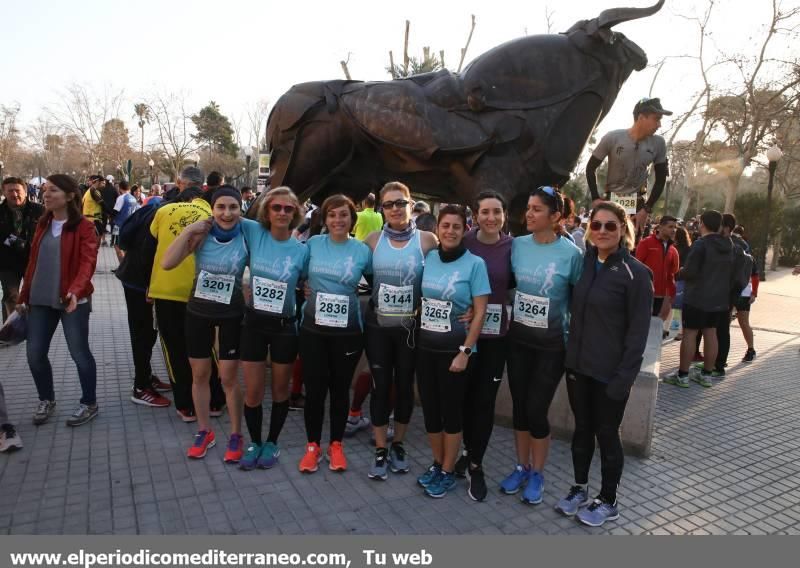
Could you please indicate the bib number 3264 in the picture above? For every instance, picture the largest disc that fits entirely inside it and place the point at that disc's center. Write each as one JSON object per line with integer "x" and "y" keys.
{"x": 215, "y": 287}
{"x": 531, "y": 310}
{"x": 436, "y": 315}
{"x": 332, "y": 310}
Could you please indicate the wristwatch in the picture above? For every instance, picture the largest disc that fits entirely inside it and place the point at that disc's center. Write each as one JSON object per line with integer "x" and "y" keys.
{"x": 465, "y": 350}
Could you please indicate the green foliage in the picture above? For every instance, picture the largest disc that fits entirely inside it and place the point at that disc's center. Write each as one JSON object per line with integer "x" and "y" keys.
{"x": 751, "y": 213}
{"x": 214, "y": 130}
{"x": 790, "y": 238}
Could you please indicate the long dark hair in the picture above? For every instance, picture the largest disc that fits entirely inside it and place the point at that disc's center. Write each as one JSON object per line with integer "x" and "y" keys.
{"x": 68, "y": 185}
{"x": 682, "y": 238}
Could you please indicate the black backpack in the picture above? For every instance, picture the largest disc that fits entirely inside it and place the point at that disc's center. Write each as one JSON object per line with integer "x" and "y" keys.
{"x": 742, "y": 269}
{"x": 139, "y": 246}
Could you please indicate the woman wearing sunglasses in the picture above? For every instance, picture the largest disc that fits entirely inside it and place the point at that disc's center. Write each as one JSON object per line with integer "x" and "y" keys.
{"x": 398, "y": 256}
{"x": 490, "y": 243}
{"x": 216, "y": 302}
{"x": 331, "y": 336}
{"x": 276, "y": 264}
{"x": 611, "y": 306}
{"x": 546, "y": 266}
{"x": 453, "y": 280}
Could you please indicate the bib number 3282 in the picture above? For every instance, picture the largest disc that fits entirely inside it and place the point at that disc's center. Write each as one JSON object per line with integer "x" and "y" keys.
{"x": 215, "y": 287}
{"x": 531, "y": 310}
{"x": 332, "y": 310}
{"x": 436, "y": 315}
{"x": 268, "y": 295}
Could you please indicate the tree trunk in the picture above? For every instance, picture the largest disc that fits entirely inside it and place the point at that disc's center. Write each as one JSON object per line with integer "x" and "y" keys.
{"x": 733, "y": 182}
{"x": 776, "y": 252}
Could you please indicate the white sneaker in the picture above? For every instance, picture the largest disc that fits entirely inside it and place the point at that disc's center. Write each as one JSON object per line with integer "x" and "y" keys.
{"x": 354, "y": 424}
{"x": 9, "y": 439}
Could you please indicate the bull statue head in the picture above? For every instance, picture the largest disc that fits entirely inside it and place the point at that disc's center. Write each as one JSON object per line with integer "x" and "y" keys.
{"x": 517, "y": 117}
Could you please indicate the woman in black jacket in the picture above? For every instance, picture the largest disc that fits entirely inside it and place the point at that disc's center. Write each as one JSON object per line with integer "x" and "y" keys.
{"x": 610, "y": 321}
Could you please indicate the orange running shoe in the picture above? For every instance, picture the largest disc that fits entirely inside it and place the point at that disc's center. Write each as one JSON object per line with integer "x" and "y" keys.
{"x": 310, "y": 461}
{"x": 203, "y": 440}
{"x": 233, "y": 453}
{"x": 336, "y": 457}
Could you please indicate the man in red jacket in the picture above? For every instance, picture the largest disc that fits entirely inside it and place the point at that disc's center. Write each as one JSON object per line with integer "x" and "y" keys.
{"x": 660, "y": 255}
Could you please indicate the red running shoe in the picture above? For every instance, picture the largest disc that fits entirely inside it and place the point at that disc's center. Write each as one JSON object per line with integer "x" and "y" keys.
{"x": 149, "y": 397}
{"x": 336, "y": 457}
{"x": 310, "y": 461}
{"x": 187, "y": 415}
{"x": 159, "y": 385}
{"x": 203, "y": 440}
{"x": 233, "y": 453}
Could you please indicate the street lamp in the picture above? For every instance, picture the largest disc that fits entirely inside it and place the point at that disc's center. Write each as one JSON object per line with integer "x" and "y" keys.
{"x": 248, "y": 154}
{"x": 151, "y": 163}
{"x": 194, "y": 157}
{"x": 773, "y": 155}
{"x": 1, "y": 169}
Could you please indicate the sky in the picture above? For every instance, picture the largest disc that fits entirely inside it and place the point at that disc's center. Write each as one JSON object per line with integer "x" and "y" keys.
{"x": 236, "y": 52}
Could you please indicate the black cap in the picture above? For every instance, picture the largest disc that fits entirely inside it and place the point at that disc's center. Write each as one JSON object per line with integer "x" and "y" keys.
{"x": 650, "y": 106}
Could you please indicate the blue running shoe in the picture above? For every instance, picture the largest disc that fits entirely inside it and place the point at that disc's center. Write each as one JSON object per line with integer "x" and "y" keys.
{"x": 534, "y": 489}
{"x": 379, "y": 469}
{"x": 515, "y": 480}
{"x": 443, "y": 483}
{"x": 270, "y": 453}
{"x": 250, "y": 457}
{"x": 398, "y": 461}
{"x": 428, "y": 477}
{"x": 575, "y": 499}
{"x": 598, "y": 513}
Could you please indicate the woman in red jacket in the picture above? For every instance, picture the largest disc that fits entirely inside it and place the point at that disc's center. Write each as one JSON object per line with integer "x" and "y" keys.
{"x": 58, "y": 287}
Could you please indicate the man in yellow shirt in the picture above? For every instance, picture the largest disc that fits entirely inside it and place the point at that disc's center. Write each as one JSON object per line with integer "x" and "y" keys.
{"x": 171, "y": 290}
{"x": 93, "y": 206}
{"x": 367, "y": 220}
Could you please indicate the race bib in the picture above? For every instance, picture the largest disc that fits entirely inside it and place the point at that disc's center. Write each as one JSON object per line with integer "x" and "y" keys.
{"x": 215, "y": 287}
{"x": 436, "y": 315}
{"x": 395, "y": 300}
{"x": 494, "y": 316}
{"x": 628, "y": 202}
{"x": 531, "y": 310}
{"x": 269, "y": 295}
{"x": 332, "y": 310}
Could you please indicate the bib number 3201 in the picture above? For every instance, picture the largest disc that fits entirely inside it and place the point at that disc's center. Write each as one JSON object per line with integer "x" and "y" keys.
{"x": 332, "y": 310}
{"x": 436, "y": 315}
{"x": 531, "y": 310}
{"x": 215, "y": 287}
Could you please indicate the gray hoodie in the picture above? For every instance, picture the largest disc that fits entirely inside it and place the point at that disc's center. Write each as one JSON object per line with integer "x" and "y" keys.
{"x": 708, "y": 273}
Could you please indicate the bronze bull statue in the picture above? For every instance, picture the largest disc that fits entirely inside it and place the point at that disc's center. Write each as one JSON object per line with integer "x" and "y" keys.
{"x": 517, "y": 117}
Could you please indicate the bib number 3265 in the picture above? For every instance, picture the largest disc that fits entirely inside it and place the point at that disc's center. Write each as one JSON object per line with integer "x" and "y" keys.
{"x": 436, "y": 315}
{"x": 332, "y": 310}
{"x": 215, "y": 287}
{"x": 531, "y": 310}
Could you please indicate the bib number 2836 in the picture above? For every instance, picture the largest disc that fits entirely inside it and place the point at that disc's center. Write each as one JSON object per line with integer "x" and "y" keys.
{"x": 331, "y": 310}
{"x": 214, "y": 287}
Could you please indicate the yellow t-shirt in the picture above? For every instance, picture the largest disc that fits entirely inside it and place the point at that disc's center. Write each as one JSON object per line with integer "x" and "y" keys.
{"x": 92, "y": 210}
{"x": 168, "y": 223}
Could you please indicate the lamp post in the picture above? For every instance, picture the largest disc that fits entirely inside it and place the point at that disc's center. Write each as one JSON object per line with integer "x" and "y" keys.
{"x": 773, "y": 155}
{"x": 1, "y": 169}
{"x": 194, "y": 157}
{"x": 248, "y": 155}
{"x": 151, "y": 163}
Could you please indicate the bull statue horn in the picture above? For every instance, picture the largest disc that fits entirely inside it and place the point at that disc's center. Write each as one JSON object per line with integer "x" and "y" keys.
{"x": 610, "y": 18}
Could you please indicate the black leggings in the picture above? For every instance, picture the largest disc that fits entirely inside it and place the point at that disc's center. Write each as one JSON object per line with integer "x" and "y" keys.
{"x": 596, "y": 416}
{"x": 391, "y": 361}
{"x": 533, "y": 377}
{"x": 490, "y": 362}
{"x": 143, "y": 336}
{"x": 441, "y": 391}
{"x": 723, "y": 342}
{"x": 329, "y": 362}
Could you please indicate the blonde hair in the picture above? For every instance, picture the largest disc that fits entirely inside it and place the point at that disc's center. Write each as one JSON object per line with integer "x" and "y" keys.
{"x": 270, "y": 196}
{"x": 628, "y": 235}
{"x": 395, "y": 186}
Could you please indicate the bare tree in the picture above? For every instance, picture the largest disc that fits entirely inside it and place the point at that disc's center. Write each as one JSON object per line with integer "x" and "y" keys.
{"x": 174, "y": 126}
{"x": 48, "y": 140}
{"x": 9, "y": 134}
{"x": 257, "y": 116}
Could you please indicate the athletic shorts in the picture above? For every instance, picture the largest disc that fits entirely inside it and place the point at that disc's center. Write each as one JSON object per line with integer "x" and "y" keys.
{"x": 261, "y": 334}
{"x": 200, "y": 337}
{"x": 742, "y": 304}
{"x": 694, "y": 318}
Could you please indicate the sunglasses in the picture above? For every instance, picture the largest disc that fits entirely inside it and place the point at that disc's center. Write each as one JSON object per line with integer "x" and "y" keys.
{"x": 399, "y": 203}
{"x": 277, "y": 208}
{"x": 610, "y": 226}
{"x": 548, "y": 190}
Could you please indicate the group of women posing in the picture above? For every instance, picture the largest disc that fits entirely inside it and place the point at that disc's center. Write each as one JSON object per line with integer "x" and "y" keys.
{"x": 441, "y": 309}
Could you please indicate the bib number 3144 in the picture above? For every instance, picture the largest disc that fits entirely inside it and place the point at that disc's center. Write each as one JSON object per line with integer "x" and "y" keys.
{"x": 436, "y": 315}
{"x": 531, "y": 310}
{"x": 214, "y": 287}
{"x": 332, "y": 310}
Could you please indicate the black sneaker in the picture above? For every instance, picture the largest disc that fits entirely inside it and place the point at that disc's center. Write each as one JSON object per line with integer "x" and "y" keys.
{"x": 749, "y": 356}
{"x": 44, "y": 411}
{"x": 477, "y": 484}
{"x": 297, "y": 402}
{"x": 462, "y": 463}
{"x": 83, "y": 414}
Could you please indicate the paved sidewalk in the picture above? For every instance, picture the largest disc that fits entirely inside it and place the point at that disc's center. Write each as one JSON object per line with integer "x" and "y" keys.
{"x": 725, "y": 460}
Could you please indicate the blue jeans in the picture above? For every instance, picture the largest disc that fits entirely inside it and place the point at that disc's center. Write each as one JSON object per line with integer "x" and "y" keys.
{"x": 42, "y": 324}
